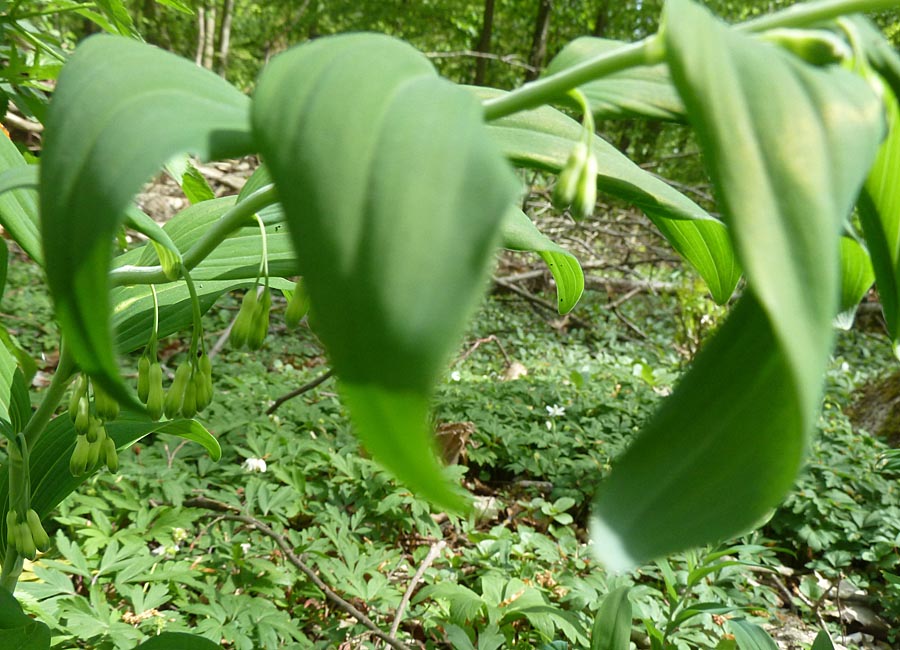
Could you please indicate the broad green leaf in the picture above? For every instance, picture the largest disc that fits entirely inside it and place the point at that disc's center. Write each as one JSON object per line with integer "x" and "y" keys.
{"x": 857, "y": 277}
{"x": 15, "y": 405}
{"x": 178, "y": 641}
{"x": 141, "y": 222}
{"x": 784, "y": 190}
{"x": 645, "y": 91}
{"x": 51, "y": 481}
{"x": 120, "y": 110}
{"x": 612, "y": 626}
{"x": 879, "y": 212}
{"x": 237, "y": 257}
{"x": 18, "y": 207}
{"x": 192, "y": 182}
{"x": 4, "y": 266}
{"x": 822, "y": 642}
{"x": 133, "y": 307}
{"x": 520, "y": 234}
{"x": 543, "y": 138}
{"x": 394, "y": 196}
{"x": 787, "y": 169}
{"x": 750, "y": 637}
{"x": 17, "y": 629}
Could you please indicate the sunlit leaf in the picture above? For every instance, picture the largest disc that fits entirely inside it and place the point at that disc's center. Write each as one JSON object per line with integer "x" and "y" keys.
{"x": 394, "y": 196}
{"x": 857, "y": 277}
{"x": 543, "y": 138}
{"x": 822, "y": 642}
{"x": 750, "y": 636}
{"x": 787, "y": 167}
{"x": 108, "y": 129}
{"x": 520, "y": 234}
{"x": 644, "y": 91}
{"x": 879, "y": 212}
{"x": 18, "y": 207}
{"x": 612, "y": 626}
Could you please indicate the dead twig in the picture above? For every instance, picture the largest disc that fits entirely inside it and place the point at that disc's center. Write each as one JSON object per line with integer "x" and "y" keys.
{"x": 540, "y": 302}
{"x": 233, "y": 514}
{"x": 433, "y": 553}
{"x": 305, "y": 388}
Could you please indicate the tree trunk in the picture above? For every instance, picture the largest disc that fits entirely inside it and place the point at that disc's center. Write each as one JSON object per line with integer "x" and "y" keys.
{"x": 539, "y": 40}
{"x": 484, "y": 42}
{"x": 209, "y": 42}
{"x": 601, "y": 22}
{"x": 201, "y": 34}
{"x": 225, "y": 36}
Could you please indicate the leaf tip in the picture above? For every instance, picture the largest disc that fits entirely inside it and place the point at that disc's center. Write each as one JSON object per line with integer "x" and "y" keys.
{"x": 609, "y": 547}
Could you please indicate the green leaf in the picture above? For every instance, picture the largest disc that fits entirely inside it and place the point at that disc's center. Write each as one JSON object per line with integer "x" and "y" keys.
{"x": 4, "y": 266}
{"x": 18, "y": 630}
{"x": 520, "y": 234}
{"x": 394, "y": 196}
{"x": 879, "y": 212}
{"x": 18, "y": 207}
{"x": 51, "y": 481}
{"x": 750, "y": 636}
{"x": 133, "y": 307}
{"x": 543, "y": 138}
{"x": 178, "y": 641}
{"x": 612, "y": 626}
{"x": 192, "y": 182}
{"x": 15, "y": 405}
{"x": 645, "y": 91}
{"x": 857, "y": 277}
{"x": 822, "y": 642}
{"x": 120, "y": 110}
{"x": 787, "y": 167}
{"x": 237, "y": 257}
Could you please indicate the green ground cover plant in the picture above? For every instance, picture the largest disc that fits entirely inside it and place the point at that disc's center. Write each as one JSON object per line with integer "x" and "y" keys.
{"x": 384, "y": 193}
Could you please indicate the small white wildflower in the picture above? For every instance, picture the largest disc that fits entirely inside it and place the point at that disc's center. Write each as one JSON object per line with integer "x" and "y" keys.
{"x": 549, "y": 425}
{"x": 254, "y": 465}
{"x": 555, "y": 411}
{"x": 166, "y": 551}
{"x": 179, "y": 535}
{"x": 455, "y": 376}
{"x": 845, "y": 367}
{"x": 245, "y": 548}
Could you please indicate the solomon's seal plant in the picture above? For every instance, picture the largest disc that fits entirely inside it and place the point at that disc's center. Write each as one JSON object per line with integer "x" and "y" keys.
{"x": 397, "y": 186}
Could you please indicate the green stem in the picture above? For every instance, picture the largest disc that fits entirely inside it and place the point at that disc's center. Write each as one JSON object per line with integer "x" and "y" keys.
{"x": 52, "y": 397}
{"x": 538, "y": 93}
{"x": 810, "y": 13}
{"x": 197, "y": 338}
{"x": 233, "y": 219}
{"x": 12, "y": 569}
{"x": 650, "y": 51}
{"x": 264, "y": 262}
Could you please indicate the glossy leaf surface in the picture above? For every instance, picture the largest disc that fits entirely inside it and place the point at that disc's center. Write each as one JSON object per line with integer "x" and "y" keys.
{"x": 543, "y": 138}
{"x": 612, "y": 626}
{"x": 645, "y": 91}
{"x": 750, "y": 636}
{"x": 727, "y": 445}
{"x": 17, "y": 629}
{"x": 394, "y": 196}
{"x": 520, "y": 234}
{"x": 857, "y": 277}
{"x": 879, "y": 211}
{"x": 178, "y": 641}
{"x": 19, "y": 207}
{"x": 108, "y": 129}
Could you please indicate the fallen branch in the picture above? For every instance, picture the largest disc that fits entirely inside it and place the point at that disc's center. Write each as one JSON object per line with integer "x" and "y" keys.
{"x": 305, "y": 388}
{"x": 233, "y": 514}
{"x": 433, "y": 553}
